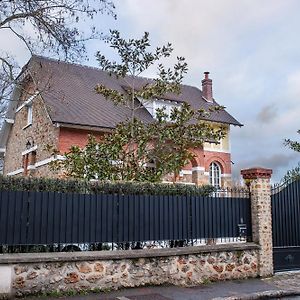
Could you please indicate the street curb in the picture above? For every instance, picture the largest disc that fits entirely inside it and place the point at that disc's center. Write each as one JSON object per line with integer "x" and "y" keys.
{"x": 261, "y": 295}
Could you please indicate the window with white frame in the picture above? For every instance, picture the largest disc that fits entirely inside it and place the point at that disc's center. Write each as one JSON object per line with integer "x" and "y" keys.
{"x": 29, "y": 114}
{"x": 166, "y": 105}
{"x": 215, "y": 174}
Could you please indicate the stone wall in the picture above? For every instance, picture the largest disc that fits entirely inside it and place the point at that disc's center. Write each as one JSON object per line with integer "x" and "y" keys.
{"x": 42, "y": 132}
{"x": 109, "y": 270}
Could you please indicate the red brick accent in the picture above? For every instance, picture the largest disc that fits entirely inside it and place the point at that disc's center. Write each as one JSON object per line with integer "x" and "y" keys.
{"x": 207, "y": 87}
{"x": 224, "y": 159}
{"x": 69, "y": 137}
{"x": 255, "y": 173}
{"x": 198, "y": 160}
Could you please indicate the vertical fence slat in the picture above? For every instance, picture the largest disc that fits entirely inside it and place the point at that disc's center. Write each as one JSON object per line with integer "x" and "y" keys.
{"x": 165, "y": 218}
{"x": 201, "y": 215}
{"x": 136, "y": 219}
{"x": 87, "y": 208}
{"x": 10, "y": 217}
{"x": 4, "y": 198}
{"x": 156, "y": 217}
{"x": 20, "y": 219}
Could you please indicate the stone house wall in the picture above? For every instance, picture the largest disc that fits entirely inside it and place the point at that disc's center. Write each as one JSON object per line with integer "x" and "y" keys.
{"x": 42, "y": 132}
{"x": 107, "y": 270}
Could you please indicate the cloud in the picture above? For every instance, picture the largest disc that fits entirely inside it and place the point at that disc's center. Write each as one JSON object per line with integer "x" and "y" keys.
{"x": 278, "y": 162}
{"x": 267, "y": 114}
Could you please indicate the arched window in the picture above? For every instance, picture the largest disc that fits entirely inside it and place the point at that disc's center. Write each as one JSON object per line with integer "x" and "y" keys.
{"x": 215, "y": 174}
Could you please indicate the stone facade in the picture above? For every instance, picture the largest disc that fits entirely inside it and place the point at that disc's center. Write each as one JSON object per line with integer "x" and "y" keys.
{"x": 41, "y": 132}
{"x": 258, "y": 180}
{"x": 135, "y": 268}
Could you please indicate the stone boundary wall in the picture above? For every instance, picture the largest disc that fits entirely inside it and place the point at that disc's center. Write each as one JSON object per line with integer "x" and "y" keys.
{"x": 31, "y": 273}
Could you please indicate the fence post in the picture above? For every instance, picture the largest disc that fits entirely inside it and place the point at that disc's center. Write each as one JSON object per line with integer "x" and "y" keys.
{"x": 258, "y": 179}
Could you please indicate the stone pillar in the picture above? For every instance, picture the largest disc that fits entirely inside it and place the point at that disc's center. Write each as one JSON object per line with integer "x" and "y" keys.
{"x": 258, "y": 179}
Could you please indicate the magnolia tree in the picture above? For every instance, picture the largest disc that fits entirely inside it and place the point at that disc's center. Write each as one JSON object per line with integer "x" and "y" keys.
{"x": 134, "y": 150}
{"x": 51, "y": 26}
{"x": 293, "y": 174}
{"x": 294, "y": 145}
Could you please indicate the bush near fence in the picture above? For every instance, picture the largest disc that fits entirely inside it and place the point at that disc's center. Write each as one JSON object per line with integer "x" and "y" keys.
{"x": 100, "y": 187}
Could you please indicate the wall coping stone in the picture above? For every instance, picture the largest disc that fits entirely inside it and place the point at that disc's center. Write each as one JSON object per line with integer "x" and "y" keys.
{"x": 257, "y": 172}
{"x": 15, "y": 258}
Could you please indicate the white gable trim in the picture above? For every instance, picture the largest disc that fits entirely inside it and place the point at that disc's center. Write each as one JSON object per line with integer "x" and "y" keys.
{"x": 37, "y": 164}
{"x": 48, "y": 160}
{"x": 15, "y": 172}
{"x": 28, "y": 101}
{"x": 29, "y": 150}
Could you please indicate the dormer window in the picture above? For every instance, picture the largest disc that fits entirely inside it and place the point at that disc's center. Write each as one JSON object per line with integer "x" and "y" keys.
{"x": 166, "y": 105}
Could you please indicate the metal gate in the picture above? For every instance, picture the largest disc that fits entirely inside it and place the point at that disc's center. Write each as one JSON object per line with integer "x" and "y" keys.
{"x": 286, "y": 226}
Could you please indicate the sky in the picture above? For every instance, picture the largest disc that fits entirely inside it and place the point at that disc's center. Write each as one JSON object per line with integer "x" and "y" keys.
{"x": 251, "y": 49}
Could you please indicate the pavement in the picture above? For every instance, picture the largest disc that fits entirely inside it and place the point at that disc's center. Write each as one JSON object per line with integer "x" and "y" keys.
{"x": 282, "y": 285}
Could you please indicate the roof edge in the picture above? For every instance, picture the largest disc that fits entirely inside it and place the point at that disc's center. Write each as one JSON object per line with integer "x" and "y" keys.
{"x": 83, "y": 127}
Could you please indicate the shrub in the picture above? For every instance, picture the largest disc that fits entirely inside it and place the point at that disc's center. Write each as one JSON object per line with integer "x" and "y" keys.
{"x": 100, "y": 187}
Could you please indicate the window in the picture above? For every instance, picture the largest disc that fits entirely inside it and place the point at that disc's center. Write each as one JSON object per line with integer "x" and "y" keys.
{"x": 29, "y": 160}
{"x": 25, "y": 163}
{"x": 215, "y": 174}
{"x": 154, "y": 104}
{"x": 29, "y": 115}
{"x": 166, "y": 106}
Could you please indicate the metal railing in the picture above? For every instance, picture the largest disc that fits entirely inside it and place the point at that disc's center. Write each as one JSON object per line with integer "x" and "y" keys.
{"x": 52, "y": 221}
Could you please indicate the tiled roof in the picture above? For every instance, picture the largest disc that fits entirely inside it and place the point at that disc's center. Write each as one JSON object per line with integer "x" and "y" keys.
{"x": 69, "y": 93}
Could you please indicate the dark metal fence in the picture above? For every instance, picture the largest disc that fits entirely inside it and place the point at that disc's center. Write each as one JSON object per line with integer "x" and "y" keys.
{"x": 51, "y": 218}
{"x": 286, "y": 225}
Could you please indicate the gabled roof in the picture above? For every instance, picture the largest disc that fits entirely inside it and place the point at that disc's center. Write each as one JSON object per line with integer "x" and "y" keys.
{"x": 71, "y": 97}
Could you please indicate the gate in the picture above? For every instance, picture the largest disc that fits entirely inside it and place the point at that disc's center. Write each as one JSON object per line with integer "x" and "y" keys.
{"x": 286, "y": 226}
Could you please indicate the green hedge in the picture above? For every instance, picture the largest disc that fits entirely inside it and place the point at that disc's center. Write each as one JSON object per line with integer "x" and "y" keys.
{"x": 99, "y": 187}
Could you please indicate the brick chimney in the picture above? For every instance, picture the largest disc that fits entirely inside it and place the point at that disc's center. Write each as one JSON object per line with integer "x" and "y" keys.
{"x": 207, "y": 88}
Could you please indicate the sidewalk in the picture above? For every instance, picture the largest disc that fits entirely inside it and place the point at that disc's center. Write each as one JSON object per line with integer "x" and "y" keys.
{"x": 281, "y": 285}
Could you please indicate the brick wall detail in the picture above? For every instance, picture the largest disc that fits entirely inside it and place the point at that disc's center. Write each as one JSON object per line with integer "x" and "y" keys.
{"x": 70, "y": 136}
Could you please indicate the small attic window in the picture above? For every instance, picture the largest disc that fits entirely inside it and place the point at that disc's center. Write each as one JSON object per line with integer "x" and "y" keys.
{"x": 155, "y": 104}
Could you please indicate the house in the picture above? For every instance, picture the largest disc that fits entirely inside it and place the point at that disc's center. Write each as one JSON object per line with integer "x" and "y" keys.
{"x": 56, "y": 105}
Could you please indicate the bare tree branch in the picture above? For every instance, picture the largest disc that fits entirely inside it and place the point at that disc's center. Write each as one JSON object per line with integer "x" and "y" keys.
{"x": 54, "y": 26}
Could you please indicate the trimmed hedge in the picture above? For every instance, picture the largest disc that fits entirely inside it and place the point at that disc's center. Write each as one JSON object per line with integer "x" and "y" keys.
{"x": 100, "y": 187}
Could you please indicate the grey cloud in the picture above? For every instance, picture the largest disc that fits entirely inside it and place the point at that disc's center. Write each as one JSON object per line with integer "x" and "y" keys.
{"x": 267, "y": 113}
{"x": 278, "y": 162}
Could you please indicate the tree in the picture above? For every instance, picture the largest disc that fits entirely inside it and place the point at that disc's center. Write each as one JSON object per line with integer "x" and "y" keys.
{"x": 136, "y": 151}
{"x": 53, "y": 27}
{"x": 293, "y": 174}
{"x": 294, "y": 145}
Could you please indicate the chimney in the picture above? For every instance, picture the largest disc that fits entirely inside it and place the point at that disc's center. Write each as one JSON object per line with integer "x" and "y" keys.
{"x": 207, "y": 88}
